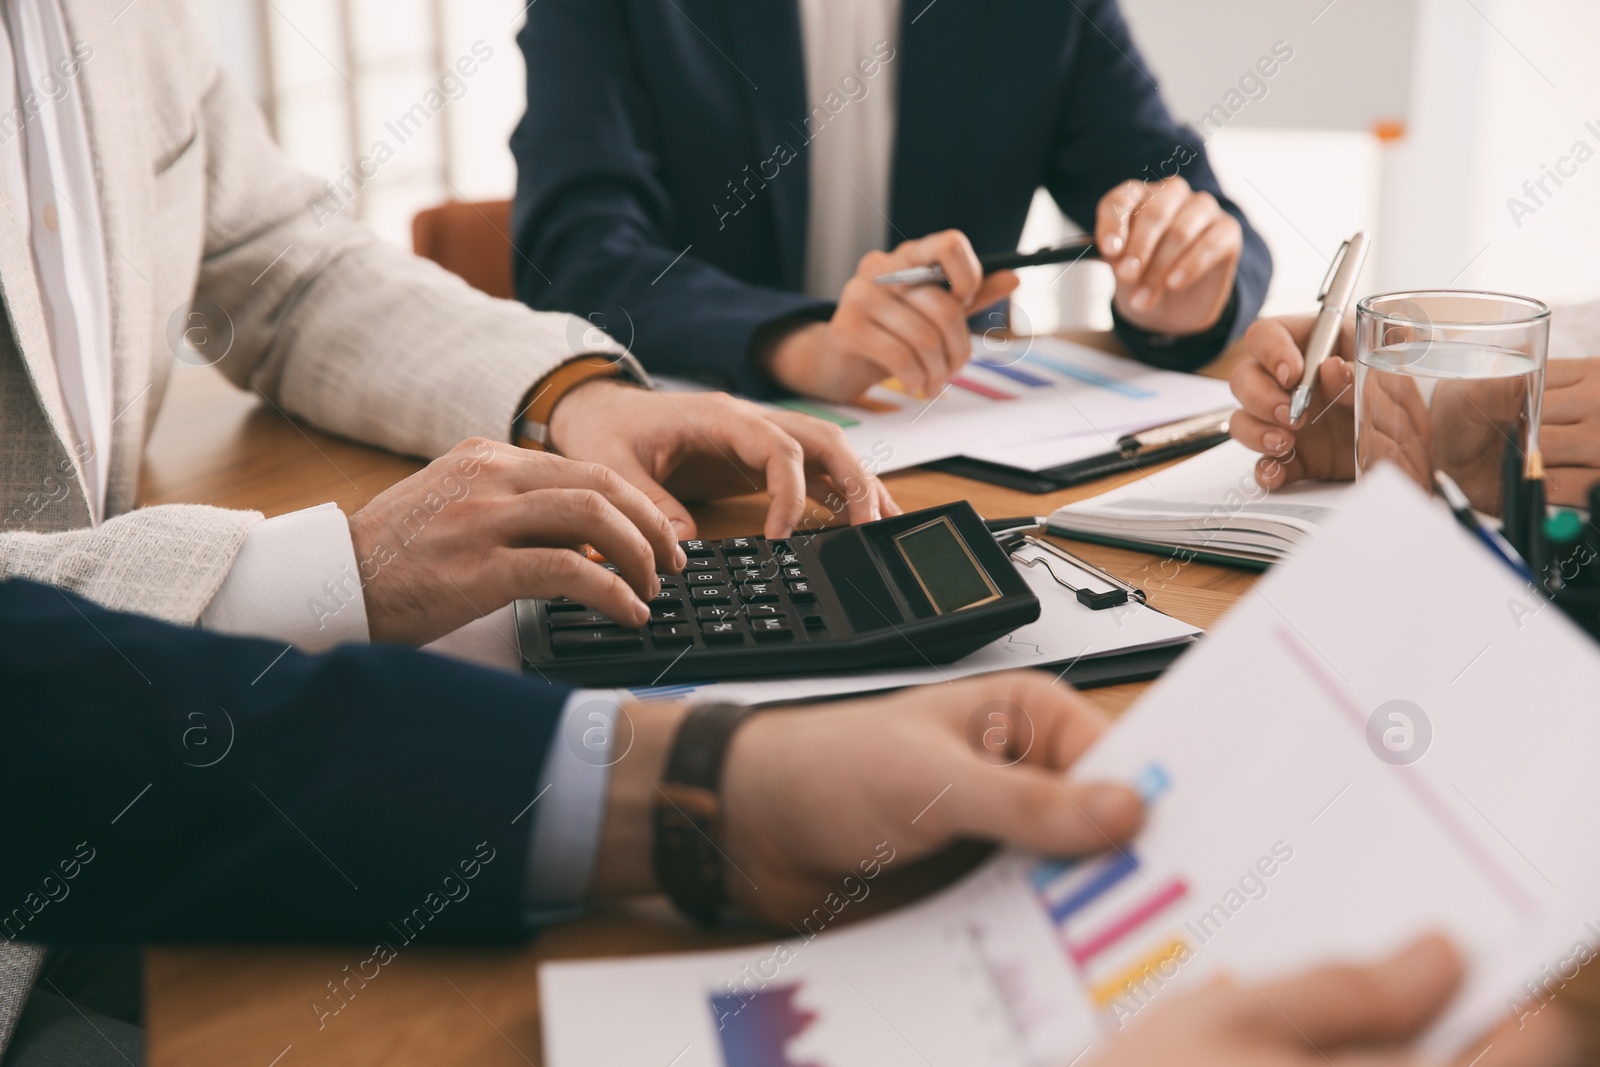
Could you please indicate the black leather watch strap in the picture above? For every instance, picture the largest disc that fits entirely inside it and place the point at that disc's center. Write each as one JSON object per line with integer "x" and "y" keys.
{"x": 688, "y": 812}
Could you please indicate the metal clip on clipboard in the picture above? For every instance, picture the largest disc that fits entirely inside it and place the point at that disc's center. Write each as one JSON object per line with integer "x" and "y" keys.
{"x": 1093, "y": 599}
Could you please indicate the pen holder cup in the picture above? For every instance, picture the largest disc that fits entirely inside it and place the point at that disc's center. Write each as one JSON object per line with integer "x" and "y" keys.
{"x": 1582, "y": 606}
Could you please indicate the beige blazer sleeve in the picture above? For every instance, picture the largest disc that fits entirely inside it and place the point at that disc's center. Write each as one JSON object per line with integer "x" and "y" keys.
{"x": 327, "y": 321}
{"x": 166, "y": 562}
{"x": 346, "y": 331}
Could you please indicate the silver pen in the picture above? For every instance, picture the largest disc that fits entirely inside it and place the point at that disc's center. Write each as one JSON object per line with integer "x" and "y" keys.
{"x": 1337, "y": 289}
{"x": 1174, "y": 433}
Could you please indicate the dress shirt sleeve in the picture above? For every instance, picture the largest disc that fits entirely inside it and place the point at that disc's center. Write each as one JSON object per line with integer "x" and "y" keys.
{"x": 570, "y": 806}
{"x": 296, "y": 580}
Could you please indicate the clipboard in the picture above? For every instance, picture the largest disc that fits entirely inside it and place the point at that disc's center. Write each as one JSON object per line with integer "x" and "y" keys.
{"x": 1069, "y": 474}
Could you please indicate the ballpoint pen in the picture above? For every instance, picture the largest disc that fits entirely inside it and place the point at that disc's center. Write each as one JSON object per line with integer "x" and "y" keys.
{"x": 1461, "y": 508}
{"x": 1337, "y": 289}
{"x": 1168, "y": 434}
{"x": 1071, "y": 251}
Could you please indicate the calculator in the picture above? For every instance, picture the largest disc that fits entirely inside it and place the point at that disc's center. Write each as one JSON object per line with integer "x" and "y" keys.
{"x": 928, "y": 587}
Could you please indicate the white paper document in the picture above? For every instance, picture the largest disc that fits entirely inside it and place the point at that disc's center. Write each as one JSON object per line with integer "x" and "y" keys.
{"x": 1065, "y": 632}
{"x": 1031, "y": 402}
{"x": 1392, "y": 735}
{"x": 1208, "y": 503}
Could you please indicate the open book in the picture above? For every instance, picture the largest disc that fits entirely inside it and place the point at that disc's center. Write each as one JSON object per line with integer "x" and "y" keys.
{"x": 1209, "y": 508}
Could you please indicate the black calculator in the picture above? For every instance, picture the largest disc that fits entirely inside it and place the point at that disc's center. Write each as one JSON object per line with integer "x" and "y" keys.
{"x": 928, "y": 587}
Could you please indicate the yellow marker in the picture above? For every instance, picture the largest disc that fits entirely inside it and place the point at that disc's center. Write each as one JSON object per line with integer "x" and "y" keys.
{"x": 1175, "y": 951}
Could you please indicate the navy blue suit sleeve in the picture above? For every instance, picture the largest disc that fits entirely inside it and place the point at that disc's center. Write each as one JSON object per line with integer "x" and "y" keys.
{"x": 596, "y": 231}
{"x": 167, "y": 784}
{"x": 1116, "y": 127}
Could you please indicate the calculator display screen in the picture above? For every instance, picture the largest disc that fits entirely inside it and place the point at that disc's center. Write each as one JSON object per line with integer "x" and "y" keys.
{"x": 945, "y": 567}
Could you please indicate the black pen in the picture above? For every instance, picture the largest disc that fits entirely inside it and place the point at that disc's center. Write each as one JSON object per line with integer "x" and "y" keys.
{"x": 1074, "y": 250}
{"x": 1002, "y": 529}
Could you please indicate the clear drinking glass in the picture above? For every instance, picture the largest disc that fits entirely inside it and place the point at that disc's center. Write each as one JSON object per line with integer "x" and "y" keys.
{"x": 1446, "y": 380}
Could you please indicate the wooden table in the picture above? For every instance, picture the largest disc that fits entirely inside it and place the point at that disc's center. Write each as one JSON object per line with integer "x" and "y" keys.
{"x": 253, "y": 1006}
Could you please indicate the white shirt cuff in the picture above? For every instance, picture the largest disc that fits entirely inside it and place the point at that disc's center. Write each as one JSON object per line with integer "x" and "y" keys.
{"x": 570, "y": 804}
{"x": 294, "y": 579}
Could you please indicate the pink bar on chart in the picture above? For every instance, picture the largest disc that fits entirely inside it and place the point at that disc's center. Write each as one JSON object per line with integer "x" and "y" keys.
{"x": 1130, "y": 922}
{"x": 982, "y": 390}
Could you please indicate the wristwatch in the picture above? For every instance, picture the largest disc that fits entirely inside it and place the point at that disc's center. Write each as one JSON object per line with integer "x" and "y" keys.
{"x": 532, "y": 428}
{"x": 688, "y": 812}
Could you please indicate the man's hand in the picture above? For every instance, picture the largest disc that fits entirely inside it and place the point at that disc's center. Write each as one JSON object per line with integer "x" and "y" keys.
{"x": 701, "y": 446}
{"x": 1174, "y": 253}
{"x": 1338, "y": 1014}
{"x": 812, "y": 795}
{"x": 1569, "y": 434}
{"x": 488, "y": 523}
{"x": 917, "y": 333}
{"x": 1322, "y": 444}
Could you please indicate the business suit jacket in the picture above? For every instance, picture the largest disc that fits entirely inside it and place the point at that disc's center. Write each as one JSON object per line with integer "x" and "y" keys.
{"x": 168, "y": 784}
{"x": 203, "y": 215}
{"x": 648, "y": 118}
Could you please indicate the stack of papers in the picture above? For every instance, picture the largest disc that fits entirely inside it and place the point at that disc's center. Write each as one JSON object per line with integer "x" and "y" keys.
{"x": 1066, "y": 634}
{"x": 1327, "y": 778}
{"x": 1208, "y": 507}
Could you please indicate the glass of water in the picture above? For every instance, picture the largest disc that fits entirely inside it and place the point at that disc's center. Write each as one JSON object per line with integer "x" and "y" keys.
{"x": 1447, "y": 380}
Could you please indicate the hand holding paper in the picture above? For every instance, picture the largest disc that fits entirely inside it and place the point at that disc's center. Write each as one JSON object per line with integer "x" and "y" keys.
{"x": 810, "y": 795}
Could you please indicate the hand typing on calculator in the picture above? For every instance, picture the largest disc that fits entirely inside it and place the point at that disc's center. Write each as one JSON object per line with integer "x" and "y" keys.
{"x": 926, "y": 587}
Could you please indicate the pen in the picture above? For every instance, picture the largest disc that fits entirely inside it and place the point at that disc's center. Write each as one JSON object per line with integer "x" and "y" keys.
{"x": 1537, "y": 552}
{"x": 1168, "y": 434}
{"x": 1337, "y": 289}
{"x": 1004, "y": 529}
{"x": 1461, "y": 508}
{"x": 1073, "y": 250}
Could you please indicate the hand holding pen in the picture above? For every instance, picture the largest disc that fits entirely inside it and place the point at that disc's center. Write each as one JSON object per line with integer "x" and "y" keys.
{"x": 1282, "y": 355}
{"x": 916, "y": 333}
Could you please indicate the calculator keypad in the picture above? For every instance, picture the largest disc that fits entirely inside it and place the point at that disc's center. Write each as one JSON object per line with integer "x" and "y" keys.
{"x": 733, "y": 593}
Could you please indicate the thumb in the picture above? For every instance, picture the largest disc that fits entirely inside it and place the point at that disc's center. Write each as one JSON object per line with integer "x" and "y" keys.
{"x": 1385, "y": 1002}
{"x": 678, "y": 515}
{"x": 1040, "y": 810}
{"x": 999, "y": 284}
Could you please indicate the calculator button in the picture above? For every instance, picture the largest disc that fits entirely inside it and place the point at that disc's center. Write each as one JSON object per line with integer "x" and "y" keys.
{"x": 609, "y": 639}
{"x": 667, "y": 611}
{"x": 697, "y": 548}
{"x": 771, "y": 630}
{"x": 814, "y": 622}
{"x": 701, "y": 565}
{"x": 673, "y": 636}
{"x": 758, "y": 592}
{"x": 743, "y": 561}
{"x": 778, "y": 548}
{"x": 564, "y": 604}
{"x": 800, "y": 592}
{"x": 571, "y": 620}
{"x": 763, "y": 611}
{"x": 667, "y": 593}
{"x": 707, "y": 578}
{"x": 717, "y": 613}
{"x": 794, "y": 574}
{"x": 723, "y": 633}
{"x": 709, "y": 594}
{"x": 788, "y": 559}
{"x": 740, "y": 545}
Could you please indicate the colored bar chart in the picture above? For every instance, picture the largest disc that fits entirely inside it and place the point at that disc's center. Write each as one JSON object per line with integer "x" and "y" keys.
{"x": 1015, "y": 373}
{"x": 1156, "y": 903}
{"x": 1089, "y": 377}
